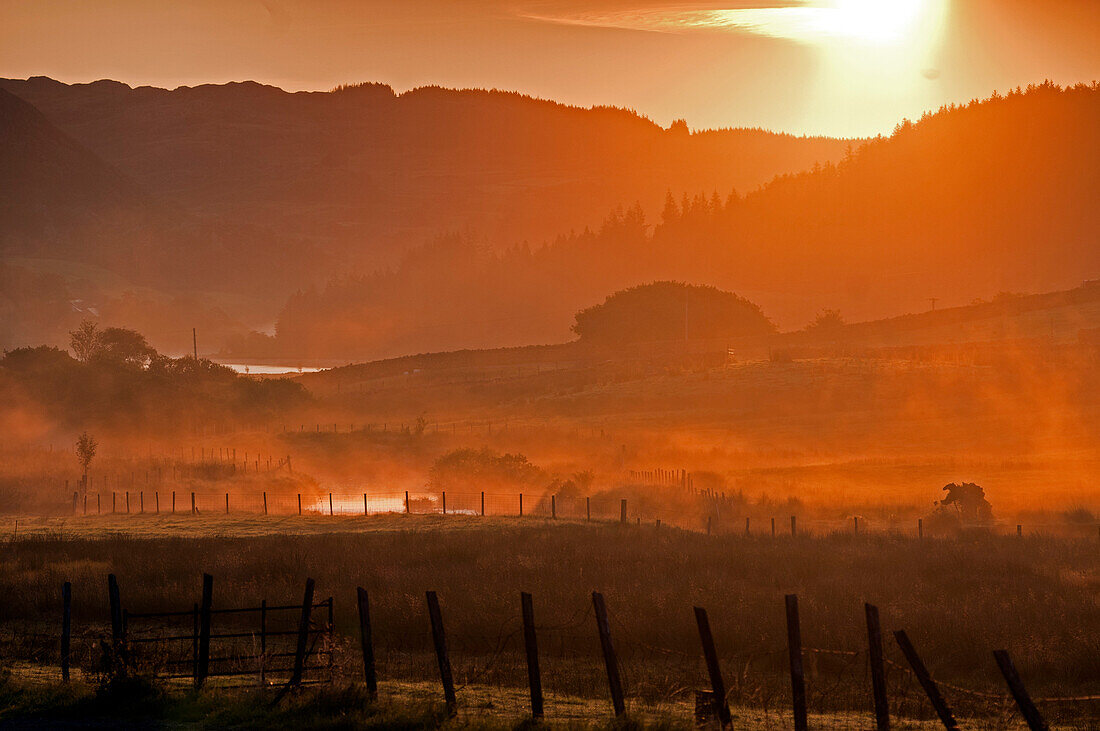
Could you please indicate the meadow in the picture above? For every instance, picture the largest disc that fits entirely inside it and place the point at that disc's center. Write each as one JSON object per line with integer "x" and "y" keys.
{"x": 958, "y": 598}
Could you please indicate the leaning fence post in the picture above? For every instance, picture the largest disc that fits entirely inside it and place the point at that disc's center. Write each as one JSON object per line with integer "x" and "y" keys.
{"x": 366, "y": 641}
{"x": 203, "y": 667}
{"x": 717, "y": 684}
{"x": 1035, "y": 720}
{"x": 610, "y": 661}
{"x": 794, "y": 650}
{"x": 530, "y": 644}
{"x": 299, "y": 503}
{"x": 929, "y": 685}
{"x": 66, "y": 627}
{"x": 440, "y": 641}
{"x": 878, "y": 671}
{"x": 265, "y": 502}
{"x": 303, "y": 636}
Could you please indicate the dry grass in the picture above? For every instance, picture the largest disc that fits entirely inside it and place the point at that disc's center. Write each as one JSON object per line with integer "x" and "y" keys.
{"x": 957, "y": 598}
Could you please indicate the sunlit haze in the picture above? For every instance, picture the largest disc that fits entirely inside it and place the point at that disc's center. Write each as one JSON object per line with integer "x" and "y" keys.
{"x": 836, "y": 67}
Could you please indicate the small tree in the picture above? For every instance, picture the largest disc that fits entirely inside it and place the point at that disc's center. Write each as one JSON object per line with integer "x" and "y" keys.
{"x": 968, "y": 502}
{"x": 85, "y": 450}
{"x": 827, "y": 322}
{"x": 85, "y": 341}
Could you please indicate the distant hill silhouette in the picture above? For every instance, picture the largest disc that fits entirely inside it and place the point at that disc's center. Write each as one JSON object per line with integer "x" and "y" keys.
{"x": 78, "y": 237}
{"x": 250, "y": 189}
{"x": 367, "y": 171}
{"x": 997, "y": 195}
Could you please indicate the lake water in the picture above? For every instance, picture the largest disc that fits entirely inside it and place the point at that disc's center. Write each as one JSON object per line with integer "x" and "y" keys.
{"x": 268, "y": 370}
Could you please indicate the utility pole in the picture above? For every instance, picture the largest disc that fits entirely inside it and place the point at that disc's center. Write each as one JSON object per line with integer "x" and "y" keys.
{"x": 195, "y": 342}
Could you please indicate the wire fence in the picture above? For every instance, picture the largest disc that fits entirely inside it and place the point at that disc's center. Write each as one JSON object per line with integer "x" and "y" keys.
{"x": 252, "y": 646}
{"x": 689, "y": 509}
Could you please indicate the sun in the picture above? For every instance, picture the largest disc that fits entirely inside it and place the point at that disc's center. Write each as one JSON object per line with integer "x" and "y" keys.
{"x": 874, "y": 21}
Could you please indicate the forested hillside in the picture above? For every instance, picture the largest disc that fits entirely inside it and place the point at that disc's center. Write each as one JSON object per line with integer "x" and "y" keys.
{"x": 996, "y": 195}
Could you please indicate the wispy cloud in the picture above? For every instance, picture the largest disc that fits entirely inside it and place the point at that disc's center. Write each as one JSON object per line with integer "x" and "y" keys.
{"x": 798, "y": 20}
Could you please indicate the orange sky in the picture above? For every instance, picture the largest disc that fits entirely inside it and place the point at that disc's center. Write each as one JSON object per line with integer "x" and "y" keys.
{"x": 838, "y": 67}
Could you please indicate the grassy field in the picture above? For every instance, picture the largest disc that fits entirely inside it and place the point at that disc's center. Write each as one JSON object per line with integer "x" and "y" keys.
{"x": 958, "y": 599}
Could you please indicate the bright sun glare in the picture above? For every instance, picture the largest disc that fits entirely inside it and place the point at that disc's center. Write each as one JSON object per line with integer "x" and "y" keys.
{"x": 869, "y": 21}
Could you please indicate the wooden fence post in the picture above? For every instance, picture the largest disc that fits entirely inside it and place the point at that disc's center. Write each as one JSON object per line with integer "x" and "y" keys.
{"x": 440, "y": 641}
{"x": 173, "y": 501}
{"x": 588, "y": 508}
{"x": 66, "y": 627}
{"x": 116, "y": 610}
{"x": 622, "y": 510}
{"x": 203, "y": 667}
{"x": 483, "y": 503}
{"x": 406, "y": 502}
{"x": 193, "y": 510}
{"x": 521, "y": 505}
{"x": 929, "y": 685}
{"x": 299, "y": 503}
{"x": 367, "y": 641}
{"x": 141, "y": 501}
{"x": 530, "y": 644}
{"x": 444, "y": 495}
{"x": 614, "y": 682}
{"x": 920, "y": 527}
{"x": 1035, "y": 720}
{"x": 773, "y": 527}
{"x": 265, "y": 502}
{"x": 303, "y": 636}
{"x": 156, "y": 500}
{"x": 878, "y": 670}
{"x": 330, "y": 505}
{"x": 794, "y": 526}
{"x": 553, "y": 507}
{"x": 127, "y": 502}
{"x": 227, "y": 503}
{"x": 717, "y": 684}
{"x": 794, "y": 650}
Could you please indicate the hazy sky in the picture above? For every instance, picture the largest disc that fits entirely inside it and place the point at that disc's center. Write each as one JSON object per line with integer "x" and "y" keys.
{"x": 839, "y": 67}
